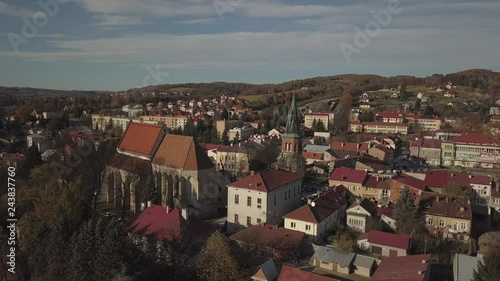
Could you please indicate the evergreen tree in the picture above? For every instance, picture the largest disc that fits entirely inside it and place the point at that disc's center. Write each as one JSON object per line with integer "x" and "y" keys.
{"x": 402, "y": 93}
{"x": 189, "y": 128}
{"x": 33, "y": 157}
{"x": 225, "y": 114}
{"x": 56, "y": 252}
{"x": 236, "y": 139}
{"x": 489, "y": 268}
{"x": 314, "y": 124}
{"x": 320, "y": 126}
{"x": 215, "y": 262}
{"x": 405, "y": 212}
{"x": 259, "y": 128}
{"x": 81, "y": 264}
{"x": 225, "y": 138}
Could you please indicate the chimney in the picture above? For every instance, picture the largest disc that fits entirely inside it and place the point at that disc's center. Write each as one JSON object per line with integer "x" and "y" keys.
{"x": 343, "y": 144}
{"x": 462, "y": 209}
{"x": 168, "y": 209}
{"x": 424, "y": 261}
{"x": 470, "y": 176}
{"x": 437, "y": 198}
{"x": 252, "y": 172}
{"x": 309, "y": 201}
{"x": 143, "y": 206}
{"x": 420, "y": 272}
{"x": 150, "y": 204}
{"x": 185, "y": 214}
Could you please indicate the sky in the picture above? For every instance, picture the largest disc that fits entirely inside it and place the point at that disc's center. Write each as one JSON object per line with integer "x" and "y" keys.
{"x": 121, "y": 44}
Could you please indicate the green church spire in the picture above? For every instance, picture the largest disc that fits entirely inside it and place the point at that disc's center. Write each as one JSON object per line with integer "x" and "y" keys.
{"x": 293, "y": 123}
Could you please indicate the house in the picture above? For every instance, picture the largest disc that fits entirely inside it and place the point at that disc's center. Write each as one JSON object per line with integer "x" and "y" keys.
{"x": 446, "y": 216}
{"x": 387, "y": 219}
{"x": 350, "y": 178}
{"x": 385, "y": 244}
{"x": 266, "y": 272}
{"x": 318, "y": 217}
{"x": 361, "y": 216}
{"x": 34, "y": 140}
{"x": 382, "y": 153}
{"x": 234, "y": 159}
{"x": 211, "y": 150}
{"x": 399, "y": 182}
{"x": 464, "y": 267}
{"x": 371, "y": 164}
{"x": 292, "y": 274}
{"x": 281, "y": 243}
{"x": 408, "y": 268}
{"x": 274, "y": 133}
{"x": 427, "y": 149}
{"x": 343, "y": 262}
{"x": 312, "y": 157}
{"x": 264, "y": 197}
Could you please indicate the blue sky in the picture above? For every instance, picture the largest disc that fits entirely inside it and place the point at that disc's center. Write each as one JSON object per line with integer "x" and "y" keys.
{"x": 116, "y": 44}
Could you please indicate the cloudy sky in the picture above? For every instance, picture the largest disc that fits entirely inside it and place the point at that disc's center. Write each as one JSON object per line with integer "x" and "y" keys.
{"x": 120, "y": 44}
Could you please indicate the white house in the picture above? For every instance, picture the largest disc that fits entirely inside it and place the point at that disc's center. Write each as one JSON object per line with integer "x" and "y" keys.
{"x": 360, "y": 216}
{"x": 318, "y": 217}
{"x": 264, "y": 197}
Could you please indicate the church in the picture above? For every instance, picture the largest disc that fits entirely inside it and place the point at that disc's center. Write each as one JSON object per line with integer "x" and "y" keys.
{"x": 290, "y": 158}
{"x": 180, "y": 170}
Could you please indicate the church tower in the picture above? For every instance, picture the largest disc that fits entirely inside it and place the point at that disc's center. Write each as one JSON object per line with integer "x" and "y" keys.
{"x": 290, "y": 158}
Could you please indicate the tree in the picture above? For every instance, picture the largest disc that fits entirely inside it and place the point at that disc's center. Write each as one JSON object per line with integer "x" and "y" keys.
{"x": 454, "y": 188}
{"x": 320, "y": 126}
{"x": 344, "y": 241}
{"x": 314, "y": 124}
{"x": 224, "y": 138}
{"x": 417, "y": 105}
{"x": 343, "y": 116}
{"x": 405, "y": 212}
{"x": 216, "y": 262}
{"x": 489, "y": 268}
{"x": 236, "y": 139}
{"x": 151, "y": 193}
{"x": 225, "y": 114}
{"x": 402, "y": 92}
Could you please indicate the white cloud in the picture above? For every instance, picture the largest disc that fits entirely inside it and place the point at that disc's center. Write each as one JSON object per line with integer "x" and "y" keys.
{"x": 10, "y": 10}
{"x": 198, "y": 21}
{"x": 114, "y": 20}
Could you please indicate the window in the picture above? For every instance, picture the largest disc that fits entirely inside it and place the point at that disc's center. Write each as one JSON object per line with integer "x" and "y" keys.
{"x": 455, "y": 225}
{"x": 308, "y": 227}
{"x": 441, "y": 223}
{"x": 236, "y": 199}
{"x": 259, "y": 220}
{"x": 259, "y": 200}
{"x": 236, "y": 218}
{"x": 249, "y": 201}
{"x": 429, "y": 221}
{"x": 463, "y": 226}
{"x": 324, "y": 262}
{"x": 293, "y": 225}
{"x": 289, "y": 193}
{"x": 274, "y": 200}
{"x": 249, "y": 221}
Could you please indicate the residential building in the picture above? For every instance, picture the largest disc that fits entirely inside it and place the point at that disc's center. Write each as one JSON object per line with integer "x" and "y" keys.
{"x": 356, "y": 127}
{"x": 234, "y": 159}
{"x": 264, "y": 197}
{"x": 385, "y": 244}
{"x": 343, "y": 262}
{"x": 408, "y": 268}
{"x": 382, "y": 153}
{"x": 446, "y": 216}
{"x": 312, "y": 157}
{"x": 427, "y": 149}
{"x": 385, "y": 128}
{"x": 387, "y": 218}
{"x": 390, "y": 117}
{"x": 326, "y": 118}
{"x": 269, "y": 239}
{"x": 243, "y": 133}
{"x": 427, "y": 124}
{"x": 494, "y": 110}
{"x": 103, "y": 123}
{"x": 360, "y": 147}
{"x": 318, "y": 217}
{"x": 494, "y": 204}
{"x": 361, "y": 216}
{"x": 371, "y": 164}
{"x": 350, "y": 178}
{"x": 399, "y": 182}
{"x": 33, "y": 140}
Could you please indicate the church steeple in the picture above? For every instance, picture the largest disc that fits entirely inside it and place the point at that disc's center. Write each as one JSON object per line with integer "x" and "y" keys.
{"x": 292, "y": 123}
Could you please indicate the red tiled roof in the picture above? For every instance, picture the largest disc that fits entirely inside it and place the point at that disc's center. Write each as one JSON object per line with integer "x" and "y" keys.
{"x": 324, "y": 206}
{"x": 155, "y": 222}
{"x": 312, "y": 155}
{"x": 403, "y": 268}
{"x": 271, "y": 236}
{"x": 291, "y": 274}
{"x": 348, "y": 175}
{"x": 141, "y": 138}
{"x": 388, "y": 239}
{"x": 447, "y": 206}
{"x": 182, "y": 152}
{"x": 349, "y": 146}
{"x": 386, "y": 211}
{"x": 389, "y": 115}
{"x": 372, "y": 182}
{"x": 410, "y": 181}
{"x": 440, "y": 178}
{"x": 209, "y": 146}
{"x": 426, "y": 143}
{"x": 266, "y": 180}
{"x": 475, "y": 138}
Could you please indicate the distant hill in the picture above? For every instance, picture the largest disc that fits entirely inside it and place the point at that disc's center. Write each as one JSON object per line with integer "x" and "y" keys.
{"x": 308, "y": 88}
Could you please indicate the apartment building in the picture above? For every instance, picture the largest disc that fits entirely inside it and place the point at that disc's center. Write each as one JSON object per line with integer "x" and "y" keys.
{"x": 326, "y": 118}
{"x": 427, "y": 149}
{"x": 243, "y": 133}
{"x": 101, "y": 122}
{"x": 264, "y": 197}
{"x": 234, "y": 159}
{"x": 171, "y": 122}
{"x": 427, "y": 124}
{"x": 385, "y": 128}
